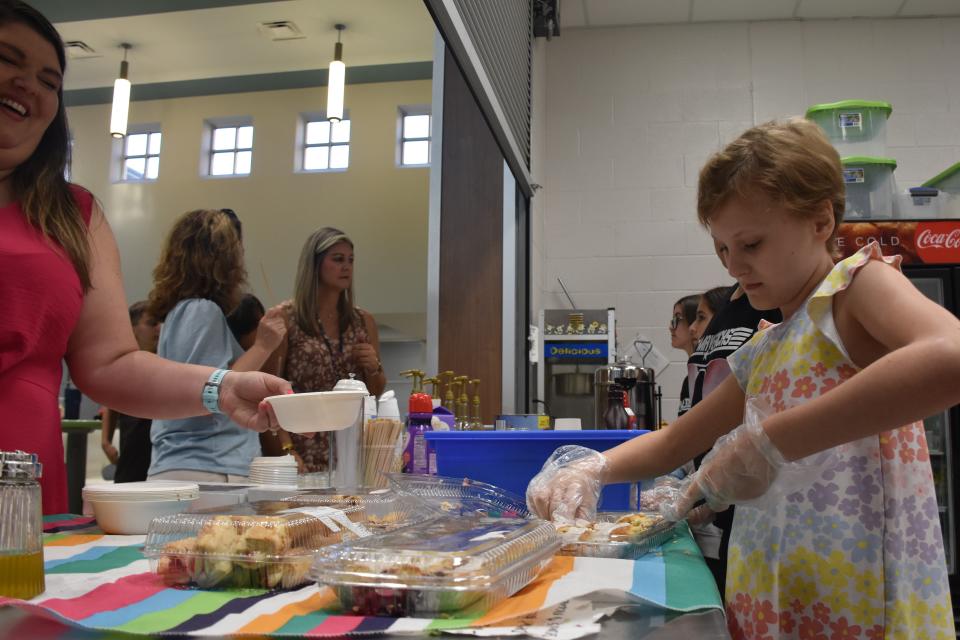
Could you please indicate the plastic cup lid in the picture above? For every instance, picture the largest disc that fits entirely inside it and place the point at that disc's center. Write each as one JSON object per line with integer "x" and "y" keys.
{"x": 149, "y": 490}
{"x": 350, "y": 384}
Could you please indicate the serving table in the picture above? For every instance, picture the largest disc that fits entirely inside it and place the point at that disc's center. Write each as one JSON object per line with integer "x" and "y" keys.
{"x": 100, "y": 586}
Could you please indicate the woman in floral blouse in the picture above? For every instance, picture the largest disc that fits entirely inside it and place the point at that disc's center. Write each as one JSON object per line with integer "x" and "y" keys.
{"x": 328, "y": 337}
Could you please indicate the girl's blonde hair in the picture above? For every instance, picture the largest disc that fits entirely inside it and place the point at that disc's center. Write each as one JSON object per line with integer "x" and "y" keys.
{"x": 791, "y": 163}
{"x": 306, "y": 310}
{"x": 201, "y": 258}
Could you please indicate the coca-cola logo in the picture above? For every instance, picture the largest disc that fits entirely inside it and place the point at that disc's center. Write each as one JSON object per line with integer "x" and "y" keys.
{"x": 928, "y": 239}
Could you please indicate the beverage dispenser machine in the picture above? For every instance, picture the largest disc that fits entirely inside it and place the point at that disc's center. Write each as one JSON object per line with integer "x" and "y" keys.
{"x": 572, "y": 345}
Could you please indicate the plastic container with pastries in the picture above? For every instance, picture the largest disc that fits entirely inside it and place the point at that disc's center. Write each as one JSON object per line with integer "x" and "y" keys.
{"x": 384, "y": 509}
{"x": 616, "y": 535}
{"x": 460, "y": 496}
{"x": 442, "y": 567}
{"x": 265, "y": 545}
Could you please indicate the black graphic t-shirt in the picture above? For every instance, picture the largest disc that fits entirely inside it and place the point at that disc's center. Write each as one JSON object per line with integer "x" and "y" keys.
{"x": 684, "y": 398}
{"x": 728, "y": 331}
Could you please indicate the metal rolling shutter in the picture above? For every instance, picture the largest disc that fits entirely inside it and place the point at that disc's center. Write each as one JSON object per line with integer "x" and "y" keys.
{"x": 492, "y": 42}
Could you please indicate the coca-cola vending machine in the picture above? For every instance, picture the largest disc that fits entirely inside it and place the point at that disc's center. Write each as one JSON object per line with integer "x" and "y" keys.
{"x": 931, "y": 260}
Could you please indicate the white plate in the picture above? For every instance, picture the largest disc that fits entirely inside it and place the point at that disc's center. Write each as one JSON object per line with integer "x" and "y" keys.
{"x": 317, "y": 411}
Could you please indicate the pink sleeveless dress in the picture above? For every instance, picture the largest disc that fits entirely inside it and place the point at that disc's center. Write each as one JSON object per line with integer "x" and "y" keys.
{"x": 41, "y": 297}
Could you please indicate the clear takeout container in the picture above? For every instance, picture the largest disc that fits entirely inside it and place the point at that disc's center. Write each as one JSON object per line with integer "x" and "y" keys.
{"x": 265, "y": 545}
{"x": 440, "y": 567}
{"x": 383, "y": 509}
{"x": 616, "y": 535}
{"x": 461, "y": 496}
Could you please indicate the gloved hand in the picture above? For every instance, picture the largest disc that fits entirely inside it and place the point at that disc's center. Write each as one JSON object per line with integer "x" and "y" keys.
{"x": 568, "y": 487}
{"x": 746, "y": 468}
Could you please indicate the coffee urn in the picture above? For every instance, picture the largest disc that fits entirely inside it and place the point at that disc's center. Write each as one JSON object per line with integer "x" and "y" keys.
{"x": 642, "y": 392}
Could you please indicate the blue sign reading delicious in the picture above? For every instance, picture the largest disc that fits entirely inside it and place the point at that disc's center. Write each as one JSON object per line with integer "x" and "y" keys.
{"x": 576, "y": 350}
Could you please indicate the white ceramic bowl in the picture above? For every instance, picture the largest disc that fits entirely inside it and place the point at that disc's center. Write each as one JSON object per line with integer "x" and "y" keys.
{"x": 128, "y": 508}
{"x": 133, "y": 518}
{"x": 317, "y": 411}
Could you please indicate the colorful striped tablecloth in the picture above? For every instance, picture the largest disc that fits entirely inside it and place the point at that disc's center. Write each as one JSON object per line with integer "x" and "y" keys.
{"x": 103, "y": 582}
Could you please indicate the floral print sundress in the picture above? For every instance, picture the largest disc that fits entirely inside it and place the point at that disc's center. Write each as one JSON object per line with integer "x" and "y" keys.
{"x": 859, "y": 552}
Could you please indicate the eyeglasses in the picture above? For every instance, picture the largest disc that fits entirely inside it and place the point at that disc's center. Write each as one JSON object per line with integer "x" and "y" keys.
{"x": 675, "y": 321}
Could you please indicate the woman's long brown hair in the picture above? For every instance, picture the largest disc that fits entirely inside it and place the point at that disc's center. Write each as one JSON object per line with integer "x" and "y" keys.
{"x": 305, "y": 307}
{"x": 201, "y": 258}
{"x": 39, "y": 184}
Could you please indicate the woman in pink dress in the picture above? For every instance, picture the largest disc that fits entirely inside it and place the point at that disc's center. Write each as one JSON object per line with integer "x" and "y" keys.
{"x": 60, "y": 279}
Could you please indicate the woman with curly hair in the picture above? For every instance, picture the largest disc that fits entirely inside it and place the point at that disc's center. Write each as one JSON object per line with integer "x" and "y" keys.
{"x": 61, "y": 285}
{"x": 196, "y": 284}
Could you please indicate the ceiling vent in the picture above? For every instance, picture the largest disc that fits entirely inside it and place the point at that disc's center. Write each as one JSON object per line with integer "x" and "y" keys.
{"x": 77, "y": 50}
{"x": 281, "y": 30}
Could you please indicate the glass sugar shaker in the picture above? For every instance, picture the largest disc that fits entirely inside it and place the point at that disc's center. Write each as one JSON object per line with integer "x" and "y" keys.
{"x": 21, "y": 526}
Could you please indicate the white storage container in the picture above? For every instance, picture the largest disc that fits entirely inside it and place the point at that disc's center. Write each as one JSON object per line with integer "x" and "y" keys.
{"x": 854, "y": 127}
{"x": 918, "y": 203}
{"x": 869, "y": 186}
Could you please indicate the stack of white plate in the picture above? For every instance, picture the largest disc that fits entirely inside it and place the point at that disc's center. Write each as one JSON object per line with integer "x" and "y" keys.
{"x": 128, "y": 508}
{"x": 274, "y": 470}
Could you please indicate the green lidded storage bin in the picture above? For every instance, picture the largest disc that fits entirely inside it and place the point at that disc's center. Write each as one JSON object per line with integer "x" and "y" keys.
{"x": 948, "y": 182}
{"x": 854, "y": 127}
{"x": 869, "y": 186}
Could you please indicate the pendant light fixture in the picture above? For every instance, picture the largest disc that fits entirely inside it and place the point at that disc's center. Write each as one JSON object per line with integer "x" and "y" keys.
{"x": 121, "y": 98}
{"x": 335, "y": 80}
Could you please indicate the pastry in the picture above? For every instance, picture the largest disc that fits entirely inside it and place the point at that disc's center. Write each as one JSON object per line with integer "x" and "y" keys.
{"x": 242, "y": 551}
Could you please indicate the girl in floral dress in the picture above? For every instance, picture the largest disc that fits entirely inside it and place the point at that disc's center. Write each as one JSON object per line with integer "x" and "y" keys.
{"x": 836, "y": 532}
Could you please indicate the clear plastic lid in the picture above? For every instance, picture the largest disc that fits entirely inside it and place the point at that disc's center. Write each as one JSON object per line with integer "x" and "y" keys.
{"x": 384, "y": 509}
{"x": 615, "y": 535}
{"x": 461, "y": 496}
{"x": 446, "y": 553}
{"x": 255, "y": 544}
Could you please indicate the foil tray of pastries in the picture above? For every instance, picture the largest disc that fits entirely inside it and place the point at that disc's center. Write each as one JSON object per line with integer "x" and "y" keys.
{"x": 384, "y": 509}
{"x": 441, "y": 567}
{"x": 261, "y": 545}
{"x": 615, "y": 535}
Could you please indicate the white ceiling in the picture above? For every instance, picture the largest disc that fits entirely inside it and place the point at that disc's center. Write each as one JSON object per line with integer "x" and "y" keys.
{"x": 211, "y": 43}
{"x": 608, "y": 13}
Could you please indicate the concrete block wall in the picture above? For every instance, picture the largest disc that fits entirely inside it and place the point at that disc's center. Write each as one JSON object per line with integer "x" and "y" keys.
{"x": 625, "y": 117}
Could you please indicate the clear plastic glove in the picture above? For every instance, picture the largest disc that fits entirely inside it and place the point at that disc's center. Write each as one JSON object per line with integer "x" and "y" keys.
{"x": 568, "y": 487}
{"x": 746, "y": 468}
{"x": 663, "y": 490}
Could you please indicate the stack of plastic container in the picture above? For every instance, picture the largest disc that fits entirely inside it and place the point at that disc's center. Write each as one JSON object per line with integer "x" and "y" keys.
{"x": 858, "y": 130}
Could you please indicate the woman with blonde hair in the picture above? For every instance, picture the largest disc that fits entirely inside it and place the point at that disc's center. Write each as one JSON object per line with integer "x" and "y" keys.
{"x": 328, "y": 338}
{"x": 61, "y": 284}
{"x": 196, "y": 283}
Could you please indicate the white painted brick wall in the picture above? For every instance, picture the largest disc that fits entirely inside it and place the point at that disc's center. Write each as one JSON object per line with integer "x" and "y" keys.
{"x": 629, "y": 115}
